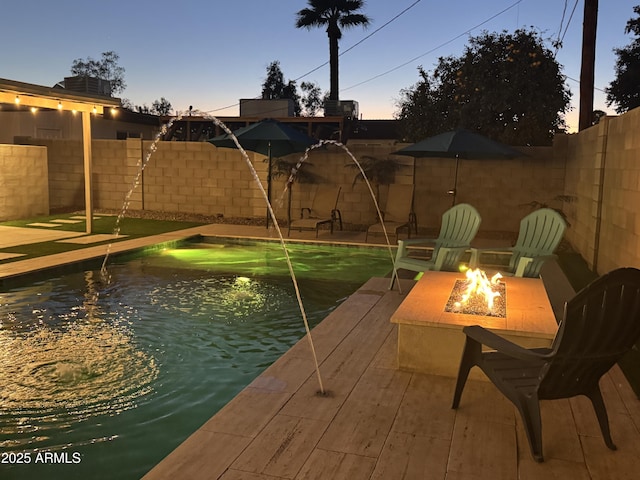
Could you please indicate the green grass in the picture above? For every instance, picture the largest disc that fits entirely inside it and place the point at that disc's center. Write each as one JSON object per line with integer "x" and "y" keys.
{"x": 129, "y": 227}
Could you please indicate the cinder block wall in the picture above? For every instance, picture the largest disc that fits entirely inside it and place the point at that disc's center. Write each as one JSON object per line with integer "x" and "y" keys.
{"x": 65, "y": 171}
{"x": 503, "y": 191}
{"x": 196, "y": 177}
{"x": 603, "y": 174}
{"x": 24, "y": 182}
{"x": 597, "y": 169}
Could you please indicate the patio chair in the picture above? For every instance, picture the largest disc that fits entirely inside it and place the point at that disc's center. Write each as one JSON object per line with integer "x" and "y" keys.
{"x": 600, "y": 324}
{"x": 540, "y": 233}
{"x": 458, "y": 228}
{"x": 323, "y": 210}
{"x": 398, "y": 212}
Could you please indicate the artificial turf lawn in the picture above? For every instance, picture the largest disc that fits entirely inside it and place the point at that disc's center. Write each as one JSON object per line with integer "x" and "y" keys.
{"x": 131, "y": 227}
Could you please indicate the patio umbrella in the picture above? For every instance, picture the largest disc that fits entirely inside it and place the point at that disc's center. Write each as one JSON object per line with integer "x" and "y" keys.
{"x": 459, "y": 144}
{"x": 268, "y": 137}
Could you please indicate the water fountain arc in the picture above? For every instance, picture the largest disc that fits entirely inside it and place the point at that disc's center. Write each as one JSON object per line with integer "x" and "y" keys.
{"x": 141, "y": 166}
{"x": 304, "y": 158}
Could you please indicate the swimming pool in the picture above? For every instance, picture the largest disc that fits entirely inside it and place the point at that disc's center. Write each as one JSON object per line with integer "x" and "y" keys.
{"x": 107, "y": 379}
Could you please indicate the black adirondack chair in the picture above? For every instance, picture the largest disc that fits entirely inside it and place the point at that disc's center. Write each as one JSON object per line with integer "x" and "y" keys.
{"x": 601, "y": 323}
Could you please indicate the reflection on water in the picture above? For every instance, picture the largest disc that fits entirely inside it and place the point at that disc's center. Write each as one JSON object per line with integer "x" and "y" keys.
{"x": 53, "y": 377}
{"x": 123, "y": 373}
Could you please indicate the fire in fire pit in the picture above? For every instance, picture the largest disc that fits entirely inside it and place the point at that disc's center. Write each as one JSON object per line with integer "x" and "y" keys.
{"x": 478, "y": 295}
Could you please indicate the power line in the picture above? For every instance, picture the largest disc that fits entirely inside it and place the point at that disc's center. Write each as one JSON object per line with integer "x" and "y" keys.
{"x": 564, "y": 12}
{"x": 435, "y": 48}
{"x": 578, "y": 82}
{"x": 362, "y": 40}
{"x": 568, "y": 23}
{"x": 345, "y": 51}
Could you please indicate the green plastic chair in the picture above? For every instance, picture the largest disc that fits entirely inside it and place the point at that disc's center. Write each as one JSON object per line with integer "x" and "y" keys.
{"x": 540, "y": 234}
{"x": 458, "y": 228}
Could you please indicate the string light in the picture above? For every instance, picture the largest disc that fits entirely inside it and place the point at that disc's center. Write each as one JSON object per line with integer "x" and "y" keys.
{"x": 95, "y": 109}
{"x": 59, "y": 105}
{"x": 34, "y": 109}
{"x": 17, "y": 100}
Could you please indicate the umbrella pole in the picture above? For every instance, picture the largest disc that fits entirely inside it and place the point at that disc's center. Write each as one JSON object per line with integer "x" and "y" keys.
{"x": 455, "y": 181}
{"x": 269, "y": 184}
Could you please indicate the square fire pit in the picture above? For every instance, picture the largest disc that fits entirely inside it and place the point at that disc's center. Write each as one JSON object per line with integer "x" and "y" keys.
{"x": 430, "y": 338}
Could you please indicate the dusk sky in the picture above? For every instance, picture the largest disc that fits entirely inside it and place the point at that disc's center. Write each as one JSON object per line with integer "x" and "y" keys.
{"x": 211, "y": 53}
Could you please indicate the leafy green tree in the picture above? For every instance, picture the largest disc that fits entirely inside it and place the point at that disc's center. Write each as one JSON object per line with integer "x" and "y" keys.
{"x": 334, "y": 15}
{"x": 161, "y": 107}
{"x": 624, "y": 90}
{"x": 106, "y": 68}
{"x": 275, "y": 88}
{"x": 507, "y": 86}
{"x": 312, "y": 98}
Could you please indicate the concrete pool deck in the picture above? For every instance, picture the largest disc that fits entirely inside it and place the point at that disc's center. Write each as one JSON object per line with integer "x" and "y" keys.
{"x": 377, "y": 421}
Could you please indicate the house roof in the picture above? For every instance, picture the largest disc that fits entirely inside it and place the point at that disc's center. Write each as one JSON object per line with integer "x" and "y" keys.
{"x": 16, "y": 94}
{"x": 376, "y": 129}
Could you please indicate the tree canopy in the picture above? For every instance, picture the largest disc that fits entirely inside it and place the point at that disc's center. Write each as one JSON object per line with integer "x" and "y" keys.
{"x": 624, "y": 90}
{"x": 507, "y": 86}
{"x": 106, "y": 68}
{"x": 274, "y": 87}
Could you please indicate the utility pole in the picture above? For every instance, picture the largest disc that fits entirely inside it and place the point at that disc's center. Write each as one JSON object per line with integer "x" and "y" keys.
{"x": 587, "y": 69}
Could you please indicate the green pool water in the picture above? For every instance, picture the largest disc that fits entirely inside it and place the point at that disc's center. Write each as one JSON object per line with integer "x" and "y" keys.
{"x": 102, "y": 380}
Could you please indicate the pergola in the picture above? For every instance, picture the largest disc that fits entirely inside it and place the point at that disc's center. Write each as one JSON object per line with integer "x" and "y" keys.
{"x": 18, "y": 95}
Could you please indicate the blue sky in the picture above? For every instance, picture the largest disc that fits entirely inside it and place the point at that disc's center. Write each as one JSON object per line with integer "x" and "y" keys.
{"x": 209, "y": 53}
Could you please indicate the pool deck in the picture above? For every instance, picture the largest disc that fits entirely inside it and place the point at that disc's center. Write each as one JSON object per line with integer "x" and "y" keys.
{"x": 375, "y": 421}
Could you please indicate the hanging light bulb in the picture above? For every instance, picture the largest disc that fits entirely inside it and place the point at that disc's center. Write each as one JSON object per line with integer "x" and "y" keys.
{"x": 17, "y": 100}
{"x": 59, "y": 105}
{"x": 95, "y": 109}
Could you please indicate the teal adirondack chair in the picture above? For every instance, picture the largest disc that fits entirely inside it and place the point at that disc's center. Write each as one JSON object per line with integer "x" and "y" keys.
{"x": 540, "y": 234}
{"x": 458, "y": 228}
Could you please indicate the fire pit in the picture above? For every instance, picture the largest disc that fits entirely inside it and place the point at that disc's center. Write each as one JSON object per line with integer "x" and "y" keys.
{"x": 478, "y": 295}
{"x": 430, "y": 338}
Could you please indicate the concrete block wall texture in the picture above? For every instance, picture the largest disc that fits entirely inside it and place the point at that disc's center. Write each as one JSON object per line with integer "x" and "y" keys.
{"x": 619, "y": 226}
{"x": 24, "y": 182}
{"x": 65, "y": 172}
{"x": 597, "y": 170}
{"x": 503, "y": 191}
{"x": 603, "y": 177}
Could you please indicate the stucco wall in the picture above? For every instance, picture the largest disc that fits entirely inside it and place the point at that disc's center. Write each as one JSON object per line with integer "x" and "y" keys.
{"x": 24, "y": 182}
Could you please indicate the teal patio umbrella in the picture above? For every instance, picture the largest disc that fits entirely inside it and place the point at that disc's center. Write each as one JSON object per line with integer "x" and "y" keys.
{"x": 270, "y": 138}
{"x": 459, "y": 144}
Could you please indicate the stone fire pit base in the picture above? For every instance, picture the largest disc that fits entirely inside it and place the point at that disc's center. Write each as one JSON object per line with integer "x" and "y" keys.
{"x": 430, "y": 340}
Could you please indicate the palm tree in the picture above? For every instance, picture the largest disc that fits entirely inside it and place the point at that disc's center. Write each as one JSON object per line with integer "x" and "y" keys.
{"x": 332, "y": 14}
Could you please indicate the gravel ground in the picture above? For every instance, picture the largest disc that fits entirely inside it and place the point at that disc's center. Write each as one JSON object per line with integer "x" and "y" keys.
{"x": 185, "y": 217}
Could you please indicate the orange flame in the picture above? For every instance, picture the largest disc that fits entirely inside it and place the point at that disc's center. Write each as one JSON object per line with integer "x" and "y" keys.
{"x": 479, "y": 285}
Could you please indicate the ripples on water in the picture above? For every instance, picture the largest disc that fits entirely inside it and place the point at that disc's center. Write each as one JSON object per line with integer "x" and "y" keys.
{"x": 138, "y": 365}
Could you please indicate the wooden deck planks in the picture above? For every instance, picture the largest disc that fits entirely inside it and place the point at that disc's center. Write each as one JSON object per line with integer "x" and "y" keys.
{"x": 364, "y": 421}
{"x": 378, "y": 422}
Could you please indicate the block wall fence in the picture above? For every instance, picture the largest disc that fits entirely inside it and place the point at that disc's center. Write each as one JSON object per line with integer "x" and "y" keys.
{"x": 24, "y": 185}
{"x": 593, "y": 177}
